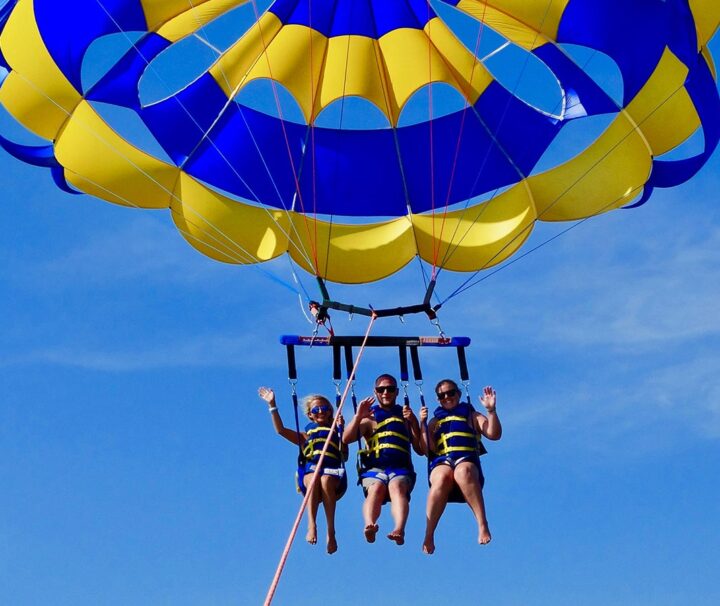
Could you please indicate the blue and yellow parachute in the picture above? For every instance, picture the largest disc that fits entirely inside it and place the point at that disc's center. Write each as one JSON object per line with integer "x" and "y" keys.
{"x": 357, "y": 204}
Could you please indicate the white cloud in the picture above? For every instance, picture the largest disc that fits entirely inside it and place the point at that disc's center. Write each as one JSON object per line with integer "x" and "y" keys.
{"x": 623, "y": 407}
{"x": 140, "y": 248}
{"x": 205, "y": 351}
{"x": 667, "y": 293}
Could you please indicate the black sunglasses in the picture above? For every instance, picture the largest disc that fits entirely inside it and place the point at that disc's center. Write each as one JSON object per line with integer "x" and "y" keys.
{"x": 386, "y": 389}
{"x": 441, "y": 395}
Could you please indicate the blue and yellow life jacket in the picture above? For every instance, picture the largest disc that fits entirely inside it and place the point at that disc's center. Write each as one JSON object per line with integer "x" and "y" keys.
{"x": 389, "y": 445}
{"x": 316, "y": 436}
{"x": 454, "y": 435}
{"x": 311, "y": 451}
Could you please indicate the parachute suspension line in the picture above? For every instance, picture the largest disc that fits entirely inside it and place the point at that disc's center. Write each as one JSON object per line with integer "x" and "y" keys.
{"x": 206, "y": 136}
{"x": 462, "y": 289}
{"x": 316, "y": 475}
{"x": 226, "y": 245}
{"x": 298, "y": 244}
{"x": 464, "y": 286}
{"x": 437, "y": 240}
{"x": 309, "y": 143}
{"x": 313, "y": 243}
{"x": 296, "y": 278}
{"x": 342, "y": 115}
{"x": 476, "y": 51}
{"x": 299, "y": 283}
{"x": 470, "y": 282}
{"x": 436, "y": 246}
{"x": 451, "y": 249}
{"x": 240, "y": 255}
{"x": 396, "y": 142}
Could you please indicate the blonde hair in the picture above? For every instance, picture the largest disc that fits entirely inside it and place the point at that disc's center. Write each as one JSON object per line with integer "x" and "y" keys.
{"x": 315, "y": 397}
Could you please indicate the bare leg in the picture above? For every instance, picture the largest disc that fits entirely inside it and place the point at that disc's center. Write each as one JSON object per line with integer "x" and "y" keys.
{"x": 399, "y": 506}
{"x": 329, "y": 485}
{"x": 441, "y": 483}
{"x": 371, "y": 509}
{"x": 468, "y": 479}
{"x": 312, "y": 508}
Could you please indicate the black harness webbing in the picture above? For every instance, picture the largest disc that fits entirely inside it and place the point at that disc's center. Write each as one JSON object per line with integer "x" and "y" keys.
{"x": 292, "y": 378}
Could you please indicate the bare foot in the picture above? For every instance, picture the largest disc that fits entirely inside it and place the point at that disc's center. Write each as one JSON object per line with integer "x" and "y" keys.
{"x": 484, "y": 537}
{"x": 331, "y": 544}
{"x": 370, "y": 532}
{"x": 311, "y": 536}
{"x": 398, "y": 536}
{"x": 428, "y": 545}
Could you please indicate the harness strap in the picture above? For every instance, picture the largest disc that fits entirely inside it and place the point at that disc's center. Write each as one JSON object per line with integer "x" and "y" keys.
{"x": 451, "y": 418}
{"x": 442, "y": 444}
{"x": 448, "y": 449}
{"x": 462, "y": 363}
{"x": 378, "y": 447}
{"x": 383, "y": 434}
{"x": 390, "y": 420}
{"x": 337, "y": 370}
{"x": 310, "y": 450}
{"x": 402, "y": 350}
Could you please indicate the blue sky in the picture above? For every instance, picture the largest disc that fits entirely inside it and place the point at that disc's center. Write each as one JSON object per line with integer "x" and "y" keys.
{"x": 138, "y": 466}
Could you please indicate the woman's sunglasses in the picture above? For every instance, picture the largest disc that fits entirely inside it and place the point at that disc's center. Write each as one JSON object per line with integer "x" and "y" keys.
{"x": 441, "y": 395}
{"x": 386, "y": 389}
{"x": 316, "y": 410}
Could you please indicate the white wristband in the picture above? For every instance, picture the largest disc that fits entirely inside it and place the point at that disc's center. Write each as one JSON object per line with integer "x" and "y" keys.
{"x": 272, "y": 409}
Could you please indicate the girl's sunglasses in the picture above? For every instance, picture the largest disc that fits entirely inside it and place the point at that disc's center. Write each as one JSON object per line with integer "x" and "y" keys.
{"x": 441, "y": 395}
{"x": 316, "y": 410}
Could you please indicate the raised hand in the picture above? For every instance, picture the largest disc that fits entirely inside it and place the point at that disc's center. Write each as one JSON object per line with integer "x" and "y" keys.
{"x": 489, "y": 399}
{"x": 267, "y": 394}
{"x": 363, "y": 409}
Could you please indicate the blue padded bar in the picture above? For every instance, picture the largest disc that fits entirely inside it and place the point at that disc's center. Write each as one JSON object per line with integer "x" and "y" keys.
{"x": 388, "y": 341}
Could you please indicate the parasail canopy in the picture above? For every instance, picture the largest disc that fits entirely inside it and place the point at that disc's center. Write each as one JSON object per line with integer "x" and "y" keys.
{"x": 457, "y": 186}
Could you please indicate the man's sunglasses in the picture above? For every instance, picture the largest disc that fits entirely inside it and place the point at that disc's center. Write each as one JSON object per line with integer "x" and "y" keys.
{"x": 386, "y": 389}
{"x": 441, "y": 395}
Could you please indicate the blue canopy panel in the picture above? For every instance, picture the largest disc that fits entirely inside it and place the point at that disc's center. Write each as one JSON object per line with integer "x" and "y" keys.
{"x": 484, "y": 162}
{"x": 68, "y": 29}
{"x": 39, "y": 155}
{"x": 352, "y": 173}
{"x": 583, "y": 97}
{"x": 702, "y": 88}
{"x": 371, "y": 18}
{"x": 632, "y": 33}
{"x": 120, "y": 85}
{"x": 357, "y": 173}
{"x": 5, "y": 11}
{"x": 682, "y": 39}
{"x": 246, "y": 155}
